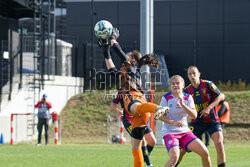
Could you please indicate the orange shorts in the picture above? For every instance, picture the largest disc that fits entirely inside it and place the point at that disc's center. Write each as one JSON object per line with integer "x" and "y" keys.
{"x": 130, "y": 98}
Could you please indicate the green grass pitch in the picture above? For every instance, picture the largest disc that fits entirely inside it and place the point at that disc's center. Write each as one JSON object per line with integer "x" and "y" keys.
{"x": 104, "y": 155}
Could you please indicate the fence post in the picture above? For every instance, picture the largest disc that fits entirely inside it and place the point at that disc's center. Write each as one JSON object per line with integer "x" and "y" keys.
{"x": 10, "y": 45}
{"x": 121, "y": 131}
{"x": 56, "y": 127}
{"x": 11, "y": 129}
{"x": 21, "y": 59}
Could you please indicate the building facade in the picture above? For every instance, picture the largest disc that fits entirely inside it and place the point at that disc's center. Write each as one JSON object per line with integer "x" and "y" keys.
{"x": 211, "y": 34}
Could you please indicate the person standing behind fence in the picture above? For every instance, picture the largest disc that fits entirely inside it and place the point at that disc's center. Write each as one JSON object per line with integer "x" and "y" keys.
{"x": 43, "y": 118}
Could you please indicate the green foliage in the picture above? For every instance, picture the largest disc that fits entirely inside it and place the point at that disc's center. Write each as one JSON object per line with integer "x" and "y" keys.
{"x": 233, "y": 86}
{"x": 239, "y": 102}
{"x": 84, "y": 116}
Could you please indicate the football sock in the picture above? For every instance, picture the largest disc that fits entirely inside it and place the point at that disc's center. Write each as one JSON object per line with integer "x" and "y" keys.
{"x": 222, "y": 164}
{"x": 145, "y": 155}
{"x": 146, "y": 107}
{"x": 150, "y": 149}
{"x": 177, "y": 164}
{"x": 138, "y": 158}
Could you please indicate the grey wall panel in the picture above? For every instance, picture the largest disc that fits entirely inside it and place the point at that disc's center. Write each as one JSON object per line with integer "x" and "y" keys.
{"x": 220, "y": 30}
{"x": 79, "y": 62}
{"x": 237, "y": 61}
{"x": 181, "y": 56}
{"x": 163, "y": 48}
{"x": 78, "y": 14}
{"x": 237, "y": 33}
{"x": 210, "y": 33}
{"x": 237, "y": 11}
{"x": 210, "y": 11}
{"x": 162, "y": 33}
{"x": 183, "y": 33}
{"x": 183, "y": 12}
{"x": 106, "y": 11}
{"x": 210, "y": 61}
{"x": 129, "y": 33}
{"x": 162, "y": 12}
{"x": 81, "y": 32}
{"x": 129, "y": 13}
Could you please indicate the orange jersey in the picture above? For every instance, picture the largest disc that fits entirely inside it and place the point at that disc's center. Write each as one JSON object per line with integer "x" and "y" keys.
{"x": 130, "y": 98}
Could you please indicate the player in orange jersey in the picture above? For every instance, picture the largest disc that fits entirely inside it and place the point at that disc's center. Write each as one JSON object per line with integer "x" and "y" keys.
{"x": 133, "y": 97}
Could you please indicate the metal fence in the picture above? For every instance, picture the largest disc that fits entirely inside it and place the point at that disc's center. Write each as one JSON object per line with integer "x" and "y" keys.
{"x": 19, "y": 57}
{"x": 9, "y": 65}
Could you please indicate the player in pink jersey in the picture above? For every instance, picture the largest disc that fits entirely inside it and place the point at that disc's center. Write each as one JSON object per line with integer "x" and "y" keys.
{"x": 175, "y": 131}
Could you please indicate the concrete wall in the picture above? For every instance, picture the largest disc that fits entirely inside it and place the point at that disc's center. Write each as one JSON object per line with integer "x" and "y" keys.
{"x": 59, "y": 91}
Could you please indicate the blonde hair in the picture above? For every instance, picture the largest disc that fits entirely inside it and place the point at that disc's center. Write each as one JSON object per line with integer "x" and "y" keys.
{"x": 177, "y": 77}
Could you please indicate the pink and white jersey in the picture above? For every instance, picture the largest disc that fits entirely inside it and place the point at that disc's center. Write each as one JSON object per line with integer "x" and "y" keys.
{"x": 176, "y": 113}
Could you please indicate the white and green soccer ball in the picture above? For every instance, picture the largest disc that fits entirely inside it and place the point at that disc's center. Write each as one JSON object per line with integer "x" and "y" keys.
{"x": 103, "y": 29}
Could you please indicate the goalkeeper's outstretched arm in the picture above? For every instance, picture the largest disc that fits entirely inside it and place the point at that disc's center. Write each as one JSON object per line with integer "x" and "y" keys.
{"x": 118, "y": 50}
{"x": 107, "y": 56}
{"x": 106, "y": 45}
{"x": 115, "y": 45}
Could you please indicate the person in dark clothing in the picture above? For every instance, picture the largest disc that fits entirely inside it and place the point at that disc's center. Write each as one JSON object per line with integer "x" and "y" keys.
{"x": 43, "y": 118}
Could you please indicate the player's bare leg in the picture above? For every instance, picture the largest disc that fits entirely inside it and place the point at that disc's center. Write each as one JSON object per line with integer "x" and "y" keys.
{"x": 198, "y": 147}
{"x": 174, "y": 153}
{"x": 150, "y": 138}
{"x": 217, "y": 137}
{"x": 182, "y": 153}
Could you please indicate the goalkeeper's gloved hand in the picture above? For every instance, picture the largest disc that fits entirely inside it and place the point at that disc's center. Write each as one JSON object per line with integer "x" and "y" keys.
{"x": 115, "y": 33}
{"x": 102, "y": 43}
{"x": 105, "y": 46}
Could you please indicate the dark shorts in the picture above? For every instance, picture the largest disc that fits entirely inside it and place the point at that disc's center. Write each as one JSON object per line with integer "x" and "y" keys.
{"x": 139, "y": 132}
{"x": 128, "y": 127}
{"x": 198, "y": 129}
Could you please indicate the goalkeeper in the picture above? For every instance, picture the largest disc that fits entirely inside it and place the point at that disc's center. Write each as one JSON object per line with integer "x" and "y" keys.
{"x": 149, "y": 143}
{"x": 134, "y": 99}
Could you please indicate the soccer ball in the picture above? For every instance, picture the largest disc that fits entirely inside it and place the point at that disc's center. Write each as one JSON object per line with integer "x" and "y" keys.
{"x": 103, "y": 29}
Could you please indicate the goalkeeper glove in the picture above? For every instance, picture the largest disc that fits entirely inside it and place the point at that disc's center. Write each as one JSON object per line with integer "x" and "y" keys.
{"x": 115, "y": 34}
{"x": 103, "y": 43}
